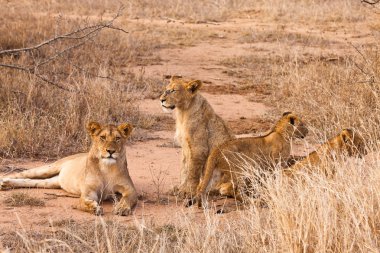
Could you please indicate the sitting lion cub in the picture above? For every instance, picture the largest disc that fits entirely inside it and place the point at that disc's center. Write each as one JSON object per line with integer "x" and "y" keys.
{"x": 346, "y": 142}
{"x": 223, "y": 164}
{"x": 93, "y": 176}
{"x": 198, "y": 129}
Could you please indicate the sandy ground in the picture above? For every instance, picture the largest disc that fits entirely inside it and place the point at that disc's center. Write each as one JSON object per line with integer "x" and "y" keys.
{"x": 154, "y": 163}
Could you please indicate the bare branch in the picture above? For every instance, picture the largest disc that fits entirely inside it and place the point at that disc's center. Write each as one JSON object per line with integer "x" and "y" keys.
{"x": 15, "y": 67}
{"x": 82, "y": 35}
{"x": 97, "y": 76}
{"x": 371, "y": 2}
{"x": 64, "y": 51}
{"x": 71, "y": 35}
{"x": 30, "y": 71}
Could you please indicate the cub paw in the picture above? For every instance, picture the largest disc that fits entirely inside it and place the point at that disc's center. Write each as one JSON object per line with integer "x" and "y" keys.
{"x": 173, "y": 191}
{"x": 190, "y": 202}
{"x": 122, "y": 210}
{"x": 187, "y": 191}
{"x": 98, "y": 211}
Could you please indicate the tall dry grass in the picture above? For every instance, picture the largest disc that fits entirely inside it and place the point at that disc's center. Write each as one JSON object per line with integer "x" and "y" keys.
{"x": 40, "y": 119}
{"x": 312, "y": 214}
{"x": 334, "y": 94}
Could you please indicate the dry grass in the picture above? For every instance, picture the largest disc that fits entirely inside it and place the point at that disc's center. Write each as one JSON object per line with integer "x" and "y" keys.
{"x": 18, "y": 199}
{"x": 334, "y": 95}
{"x": 313, "y": 11}
{"x": 311, "y": 214}
{"x": 199, "y": 11}
{"x": 97, "y": 73}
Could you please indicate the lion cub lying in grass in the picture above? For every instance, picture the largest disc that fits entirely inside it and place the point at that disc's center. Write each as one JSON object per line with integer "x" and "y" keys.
{"x": 224, "y": 163}
{"x": 346, "y": 142}
{"x": 93, "y": 176}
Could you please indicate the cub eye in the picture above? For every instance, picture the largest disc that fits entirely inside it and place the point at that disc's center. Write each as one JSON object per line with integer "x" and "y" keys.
{"x": 117, "y": 139}
{"x": 170, "y": 91}
{"x": 102, "y": 138}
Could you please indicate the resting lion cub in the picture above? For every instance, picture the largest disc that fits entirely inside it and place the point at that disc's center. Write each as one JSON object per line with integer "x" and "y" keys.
{"x": 346, "y": 142}
{"x": 223, "y": 162}
{"x": 198, "y": 129}
{"x": 93, "y": 176}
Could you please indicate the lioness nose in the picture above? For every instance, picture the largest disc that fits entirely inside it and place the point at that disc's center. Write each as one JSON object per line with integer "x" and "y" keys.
{"x": 110, "y": 151}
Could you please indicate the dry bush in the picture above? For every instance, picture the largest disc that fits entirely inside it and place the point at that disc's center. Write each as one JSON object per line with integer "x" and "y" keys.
{"x": 193, "y": 11}
{"x": 22, "y": 199}
{"x": 334, "y": 95}
{"x": 88, "y": 82}
{"x": 313, "y": 11}
{"x": 312, "y": 213}
{"x": 288, "y": 37}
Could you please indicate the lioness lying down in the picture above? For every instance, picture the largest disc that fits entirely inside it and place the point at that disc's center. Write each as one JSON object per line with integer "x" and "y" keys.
{"x": 93, "y": 176}
{"x": 223, "y": 164}
{"x": 346, "y": 142}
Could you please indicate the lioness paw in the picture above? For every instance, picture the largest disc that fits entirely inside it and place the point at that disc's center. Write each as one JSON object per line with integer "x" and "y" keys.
{"x": 4, "y": 184}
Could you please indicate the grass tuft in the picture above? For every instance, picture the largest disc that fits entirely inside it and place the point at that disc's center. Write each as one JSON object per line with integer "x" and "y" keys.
{"x": 18, "y": 199}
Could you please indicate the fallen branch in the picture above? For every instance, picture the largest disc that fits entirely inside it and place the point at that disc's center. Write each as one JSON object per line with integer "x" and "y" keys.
{"x": 71, "y": 35}
{"x": 372, "y": 2}
{"x": 82, "y": 35}
{"x": 61, "y": 195}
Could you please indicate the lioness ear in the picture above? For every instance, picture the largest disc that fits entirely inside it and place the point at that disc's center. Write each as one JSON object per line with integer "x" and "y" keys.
{"x": 193, "y": 86}
{"x": 125, "y": 129}
{"x": 93, "y": 128}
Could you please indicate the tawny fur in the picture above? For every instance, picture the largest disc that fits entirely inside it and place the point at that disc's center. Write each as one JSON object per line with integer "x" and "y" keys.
{"x": 93, "y": 176}
{"x": 346, "y": 142}
{"x": 264, "y": 151}
{"x": 198, "y": 129}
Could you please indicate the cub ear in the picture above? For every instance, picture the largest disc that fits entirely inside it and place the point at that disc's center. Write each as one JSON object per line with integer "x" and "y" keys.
{"x": 93, "y": 128}
{"x": 292, "y": 120}
{"x": 125, "y": 129}
{"x": 347, "y": 135}
{"x": 173, "y": 78}
{"x": 193, "y": 86}
{"x": 286, "y": 113}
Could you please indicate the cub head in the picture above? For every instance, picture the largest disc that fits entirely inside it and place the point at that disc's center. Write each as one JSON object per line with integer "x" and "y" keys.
{"x": 353, "y": 142}
{"x": 108, "y": 141}
{"x": 293, "y": 125}
{"x": 179, "y": 94}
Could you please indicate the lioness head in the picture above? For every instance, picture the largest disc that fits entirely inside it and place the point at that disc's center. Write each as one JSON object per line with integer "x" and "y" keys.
{"x": 293, "y": 125}
{"x": 108, "y": 141}
{"x": 353, "y": 142}
{"x": 179, "y": 94}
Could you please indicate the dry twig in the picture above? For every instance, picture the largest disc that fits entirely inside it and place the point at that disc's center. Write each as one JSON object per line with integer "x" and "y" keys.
{"x": 81, "y": 35}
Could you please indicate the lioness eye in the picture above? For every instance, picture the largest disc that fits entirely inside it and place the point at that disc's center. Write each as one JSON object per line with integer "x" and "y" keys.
{"x": 103, "y": 138}
{"x": 117, "y": 138}
{"x": 172, "y": 91}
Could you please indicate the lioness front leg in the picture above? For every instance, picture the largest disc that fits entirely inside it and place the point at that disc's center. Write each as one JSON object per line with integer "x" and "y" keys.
{"x": 88, "y": 202}
{"x": 127, "y": 202}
